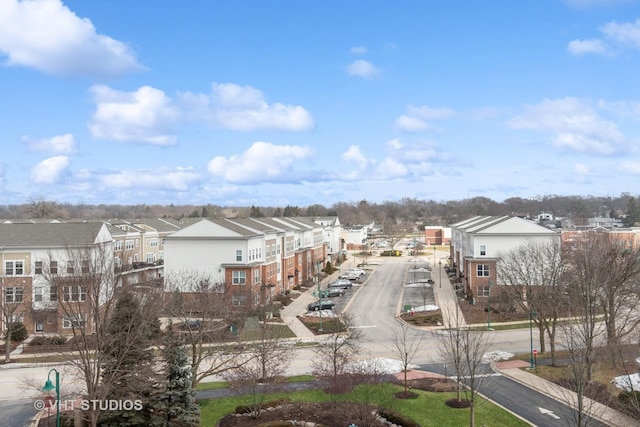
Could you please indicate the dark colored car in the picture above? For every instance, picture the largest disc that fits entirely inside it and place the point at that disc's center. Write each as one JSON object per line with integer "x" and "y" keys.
{"x": 335, "y": 292}
{"x": 341, "y": 283}
{"x": 326, "y": 305}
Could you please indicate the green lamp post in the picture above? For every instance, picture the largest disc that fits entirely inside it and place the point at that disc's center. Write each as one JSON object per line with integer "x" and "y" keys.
{"x": 49, "y": 387}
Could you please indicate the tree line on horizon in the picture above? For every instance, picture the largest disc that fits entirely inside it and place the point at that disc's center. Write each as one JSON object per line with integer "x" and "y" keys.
{"x": 405, "y": 210}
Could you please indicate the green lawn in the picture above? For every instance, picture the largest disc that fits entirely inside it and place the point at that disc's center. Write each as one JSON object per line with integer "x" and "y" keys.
{"x": 428, "y": 409}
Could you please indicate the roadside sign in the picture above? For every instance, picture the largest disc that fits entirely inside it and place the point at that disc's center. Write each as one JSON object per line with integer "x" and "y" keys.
{"x": 535, "y": 352}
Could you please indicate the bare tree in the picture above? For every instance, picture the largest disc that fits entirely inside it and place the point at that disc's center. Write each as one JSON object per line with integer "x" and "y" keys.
{"x": 39, "y": 207}
{"x": 336, "y": 355}
{"x": 13, "y": 308}
{"x": 532, "y": 275}
{"x": 203, "y": 314}
{"x": 463, "y": 349}
{"x": 269, "y": 349}
{"x": 406, "y": 346}
{"x": 86, "y": 289}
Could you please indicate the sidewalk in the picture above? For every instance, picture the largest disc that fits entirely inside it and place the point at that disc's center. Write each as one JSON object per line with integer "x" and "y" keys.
{"x": 290, "y": 313}
{"x": 513, "y": 369}
{"x": 445, "y": 296}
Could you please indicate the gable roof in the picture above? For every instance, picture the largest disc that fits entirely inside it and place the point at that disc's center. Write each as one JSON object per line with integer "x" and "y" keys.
{"x": 34, "y": 235}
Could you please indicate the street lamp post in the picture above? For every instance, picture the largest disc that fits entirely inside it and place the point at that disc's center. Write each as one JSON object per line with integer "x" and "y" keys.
{"x": 49, "y": 387}
{"x": 489, "y": 307}
{"x": 318, "y": 266}
{"x": 532, "y": 314}
{"x": 440, "y": 271}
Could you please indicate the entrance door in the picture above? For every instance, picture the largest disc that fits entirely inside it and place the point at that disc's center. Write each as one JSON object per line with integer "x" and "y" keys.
{"x": 39, "y": 324}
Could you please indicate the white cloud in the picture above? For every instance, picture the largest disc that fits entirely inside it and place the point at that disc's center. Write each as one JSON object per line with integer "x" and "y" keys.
{"x": 631, "y": 167}
{"x": 626, "y": 33}
{"x": 236, "y": 107}
{"x": 362, "y": 68}
{"x": 412, "y": 124}
{"x": 355, "y": 155}
{"x": 358, "y": 50}
{"x": 179, "y": 179}
{"x": 57, "y": 144}
{"x": 262, "y": 162}
{"x": 50, "y": 170}
{"x": 574, "y": 126}
{"x": 395, "y": 144}
{"x": 581, "y": 47}
{"x": 49, "y": 37}
{"x": 418, "y": 118}
{"x": 145, "y": 115}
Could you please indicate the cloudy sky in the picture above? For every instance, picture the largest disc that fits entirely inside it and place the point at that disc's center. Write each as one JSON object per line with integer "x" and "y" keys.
{"x": 295, "y": 102}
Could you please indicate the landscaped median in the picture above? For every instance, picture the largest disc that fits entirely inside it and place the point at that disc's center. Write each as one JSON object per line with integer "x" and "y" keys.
{"x": 428, "y": 408}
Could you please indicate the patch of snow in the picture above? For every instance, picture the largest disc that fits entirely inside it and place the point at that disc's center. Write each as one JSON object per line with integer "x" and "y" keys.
{"x": 382, "y": 365}
{"x": 494, "y": 356}
{"x": 417, "y": 285}
{"x": 428, "y": 307}
{"x": 325, "y": 313}
{"x": 628, "y": 382}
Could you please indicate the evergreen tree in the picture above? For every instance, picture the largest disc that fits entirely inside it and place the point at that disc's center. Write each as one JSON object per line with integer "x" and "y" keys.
{"x": 255, "y": 212}
{"x": 291, "y": 211}
{"x": 179, "y": 399}
{"x": 277, "y": 213}
{"x": 633, "y": 213}
{"x": 129, "y": 362}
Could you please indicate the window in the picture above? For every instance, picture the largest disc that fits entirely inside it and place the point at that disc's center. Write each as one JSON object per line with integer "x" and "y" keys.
{"x": 85, "y": 266}
{"x": 482, "y": 270}
{"x": 238, "y": 300}
{"x": 13, "y": 268}
{"x": 483, "y": 249}
{"x": 53, "y": 293}
{"x": 74, "y": 321}
{"x": 37, "y": 294}
{"x": 53, "y": 267}
{"x": 239, "y": 277}
{"x": 118, "y": 245}
{"x": 128, "y": 245}
{"x": 74, "y": 293}
{"x": 239, "y": 255}
{"x": 70, "y": 268}
{"x": 484, "y": 291}
{"x": 13, "y": 294}
{"x": 153, "y": 242}
{"x": 151, "y": 257}
{"x": 38, "y": 267}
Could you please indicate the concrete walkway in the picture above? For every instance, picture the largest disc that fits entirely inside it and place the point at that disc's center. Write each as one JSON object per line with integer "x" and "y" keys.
{"x": 445, "y": 294}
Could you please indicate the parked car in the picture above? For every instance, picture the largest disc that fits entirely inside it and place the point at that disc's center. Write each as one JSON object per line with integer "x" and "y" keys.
{"x": 335, "y": 292}
{"x": 357, "y": 271}
{"x": 341, "y": 283}
{"x": 321, "y": 305}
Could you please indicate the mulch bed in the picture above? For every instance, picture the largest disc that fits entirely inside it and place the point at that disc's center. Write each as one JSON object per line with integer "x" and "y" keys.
{"x": 327, "y": 413}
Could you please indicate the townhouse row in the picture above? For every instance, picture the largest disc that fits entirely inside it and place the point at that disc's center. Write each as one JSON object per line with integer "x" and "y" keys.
{"x": 477, "y": 244}
{"x": 45, "y": 265}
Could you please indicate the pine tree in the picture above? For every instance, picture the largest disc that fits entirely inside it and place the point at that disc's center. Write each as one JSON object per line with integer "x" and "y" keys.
{"x": 180, "y": 407}
{"x": 129, "y": 362}
{"x": 633, "y": 213}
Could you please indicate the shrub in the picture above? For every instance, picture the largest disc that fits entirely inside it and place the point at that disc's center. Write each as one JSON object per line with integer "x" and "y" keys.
{"x": 246, "y": 409}
{"x": 18, "y": 332}
{"x": 629, "y": 399}
{"x": 57, "y": 340}
{"x": 396, "y": 418}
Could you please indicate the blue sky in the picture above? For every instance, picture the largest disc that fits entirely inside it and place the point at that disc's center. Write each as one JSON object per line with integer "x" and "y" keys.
{"x": 241, "y": 103}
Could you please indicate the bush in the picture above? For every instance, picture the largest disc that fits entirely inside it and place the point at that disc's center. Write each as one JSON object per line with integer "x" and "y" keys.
{"x": 630, "y": 400}
{"x": 396, "y": 418}
{"x": 246, "y": 409}
{"x": 18, "y": 332}
{"x": 57, "y": 340}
